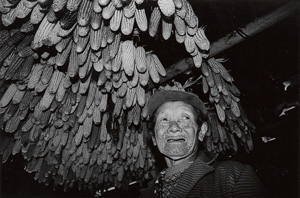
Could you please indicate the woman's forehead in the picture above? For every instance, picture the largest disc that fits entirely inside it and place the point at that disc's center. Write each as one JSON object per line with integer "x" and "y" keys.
{"x": 175, "y": 106}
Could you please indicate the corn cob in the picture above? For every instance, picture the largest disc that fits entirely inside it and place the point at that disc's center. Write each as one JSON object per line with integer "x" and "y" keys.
{"x": 51, "y": 16}
{"x": 201, "y": 40}
{"x": 65, "y": 32}
{"x": 108, "y": 86}
{"x": 73, "y": 5}
{"x": 62, "y": 45}
{"x": 25, "y": 52}
{"x": 129, "y": 10}
{"x": 68, "y": 20}
{"x": 81, "y": 44}
{"x": 141, "y": 19}
{"x": 17, "y": 146}
{"x": 189, "y": 44}
{"x": 115, "y": 21}
{"x": 103, "y": 129}
{"x": 82, "y": 117}
{"x": 159, "y": 67}
{"x": 84, "y": 84}
{"x": 36, "y": 15}
{"x": 55, "y": 81}
{"x": 190, "y": 18}
{"x": 166, "y": 28}
{"x": 154, "y": 21}
{"x": 128, "y": 57}
{"x": 7, "y": 152}
{"x": 197, "y": 59}
{"x": 13, "y": 68}
{"x": 98, "y": 66}
{"x": 85, "y": 55}
{"x": 73, "y": 65}
{"x": 58, "y": 5}
{"x": 84, "y": 70}
{"x": 130, "y": 94}
{"x": 25, "y": 101}
{"x": 106, "y": 58}
{"x": 103, "y": 103}
{"x": 104, "y": 3}
{"x": 84, "y": 13}
{"x": 83, "y": 31}
{"x": 25, "y": 42}
{"x": 140, "y": 59}
{"x": 135, "y": 78}
{"x": 61, "y": 91}
{"x": 4, "y": 8}
{"x": 62, "y": 57}
{"x": 110, "y": 36}
{"x": 144, "y": 78}
{"x": 42, "y": 32}
{"x": 108, "y": 11}
{"x": 115, "y": 45}
{"x": 102, "y": 78}
{"x": 96, "y": 115}
{"x": 96, "y": 7}
{"x": 87, "y": 126}
{"x": 8, "y": 60}
{"x": 223, "y": 72}
{"x": 8, "y": 95}
{"x": 95, "y": 38}
{"x": 104, "y": 37}
{"x": 35, "y": 75}
{"x": 127, "y": 25}
{"x": 91, "y": 94}
{"x": 3, "y": 71}
{"x": 140, "y": 94}
{"x": 9, "y": 18}
{"x": 179, "y": 25}
{"x": 96, "y": 19}
{"x": 122, "y": 90}
{"x": 5, "y": 51}
{"x": 117, "y": 60}
{"x": 17, "y": 98}
{"x": 53, "y": 38}
{"x": 27, "y": 27}
{"x": 153, "y": 73}
{"x": 167, "y": 7}
{"x": 47, "y": 99}
{"x": 4, "y": 35}
{"x": 235, "y": 109}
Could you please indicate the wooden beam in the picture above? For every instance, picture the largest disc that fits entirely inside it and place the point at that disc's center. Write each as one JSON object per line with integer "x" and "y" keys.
{"x": 231, "y": 39}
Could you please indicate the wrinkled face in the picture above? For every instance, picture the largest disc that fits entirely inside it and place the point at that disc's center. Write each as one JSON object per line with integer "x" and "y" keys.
{"x": 176, "y": 131}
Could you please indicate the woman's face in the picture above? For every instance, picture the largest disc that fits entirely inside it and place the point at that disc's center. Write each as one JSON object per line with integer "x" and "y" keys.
{"x": 176, "y": 130}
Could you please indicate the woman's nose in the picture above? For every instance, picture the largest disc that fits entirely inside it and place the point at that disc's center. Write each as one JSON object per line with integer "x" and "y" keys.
{"x": 174, "y": 127}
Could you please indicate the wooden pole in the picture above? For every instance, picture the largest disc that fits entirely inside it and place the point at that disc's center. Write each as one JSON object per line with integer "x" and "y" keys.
{"x": 232, "y": 39}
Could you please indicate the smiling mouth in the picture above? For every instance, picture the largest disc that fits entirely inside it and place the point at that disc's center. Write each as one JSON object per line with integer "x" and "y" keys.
{"x": 176, "y": 140}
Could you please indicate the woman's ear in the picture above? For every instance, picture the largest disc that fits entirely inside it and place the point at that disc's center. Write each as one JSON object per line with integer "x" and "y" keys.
{"x": 203, "y": 130}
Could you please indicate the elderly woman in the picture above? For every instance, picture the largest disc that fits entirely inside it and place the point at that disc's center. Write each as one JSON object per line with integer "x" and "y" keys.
{"x": 179, "y": 124}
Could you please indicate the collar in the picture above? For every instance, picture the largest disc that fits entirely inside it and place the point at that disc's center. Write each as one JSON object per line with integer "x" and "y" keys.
{"x": 194, "y": 173}
{"x": 198, "y": 169}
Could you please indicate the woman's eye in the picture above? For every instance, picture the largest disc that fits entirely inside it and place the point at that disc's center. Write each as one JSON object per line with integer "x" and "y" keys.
{"x": 164, "y": 120}
{"x": 186, "y": 117}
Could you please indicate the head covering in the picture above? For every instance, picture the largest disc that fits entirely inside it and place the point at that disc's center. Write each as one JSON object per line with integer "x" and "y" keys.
{"x": 160, "y": 97}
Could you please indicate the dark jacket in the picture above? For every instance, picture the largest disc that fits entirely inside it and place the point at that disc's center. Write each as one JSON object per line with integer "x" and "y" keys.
{"x": 209, "y": 178}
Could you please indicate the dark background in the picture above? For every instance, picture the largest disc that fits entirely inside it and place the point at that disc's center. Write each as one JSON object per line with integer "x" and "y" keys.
{"x": 259, "y": 66}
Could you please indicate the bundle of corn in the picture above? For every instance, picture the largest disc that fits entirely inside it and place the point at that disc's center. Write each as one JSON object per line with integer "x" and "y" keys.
{"x": 72, "y": 86}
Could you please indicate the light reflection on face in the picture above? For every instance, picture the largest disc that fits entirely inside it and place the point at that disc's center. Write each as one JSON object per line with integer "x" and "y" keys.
{"x": 176, "y": 130}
